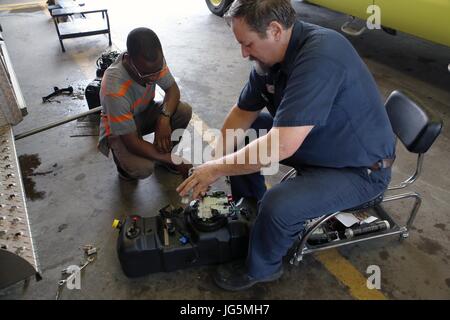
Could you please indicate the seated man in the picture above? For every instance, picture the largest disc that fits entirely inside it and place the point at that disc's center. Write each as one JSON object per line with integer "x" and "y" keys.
{"x": 130, "y": 112}
{"x": 326, "y": 119}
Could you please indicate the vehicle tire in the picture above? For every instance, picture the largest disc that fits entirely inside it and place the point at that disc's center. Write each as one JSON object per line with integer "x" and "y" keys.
{"x": 218, "y": 7}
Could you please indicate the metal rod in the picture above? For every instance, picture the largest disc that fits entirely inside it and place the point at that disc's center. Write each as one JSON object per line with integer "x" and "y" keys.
{"x": 417, "y": 203}
{"x": 298, "y": 254}
{"x": 56, "y": 124}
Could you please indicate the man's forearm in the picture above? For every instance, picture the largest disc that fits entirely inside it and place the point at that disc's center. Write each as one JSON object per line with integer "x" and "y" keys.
{"x": 147, "y": 150}
{"x": 236, "y": 119}
{"x": 172, "y": 98}
{"x": 260, "y": 153}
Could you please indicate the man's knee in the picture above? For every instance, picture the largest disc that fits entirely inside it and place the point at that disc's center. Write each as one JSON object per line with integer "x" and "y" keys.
{"x": 279, "y": 207}
{"x": 134, "y": 166}
{"x": 182, "y": 116}
{"x": 139, "y": 171}
{"x": 274, "y": 206}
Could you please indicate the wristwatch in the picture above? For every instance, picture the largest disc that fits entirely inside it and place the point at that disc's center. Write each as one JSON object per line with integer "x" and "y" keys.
{"x": 165, "y": 113}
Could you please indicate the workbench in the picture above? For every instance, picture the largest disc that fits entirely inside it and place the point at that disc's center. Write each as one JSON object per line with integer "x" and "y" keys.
{"x": 80, "y": 27}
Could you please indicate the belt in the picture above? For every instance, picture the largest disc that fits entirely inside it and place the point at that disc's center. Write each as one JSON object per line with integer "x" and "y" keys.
{"x": 382, "y": 164}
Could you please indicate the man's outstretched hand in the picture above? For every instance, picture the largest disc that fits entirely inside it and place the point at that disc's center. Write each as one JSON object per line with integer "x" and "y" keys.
{"x": 199, "y": 181}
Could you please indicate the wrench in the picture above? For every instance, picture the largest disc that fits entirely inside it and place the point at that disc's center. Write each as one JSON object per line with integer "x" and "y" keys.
{"x": 57, "y": 91}
{"x": 61, "y": 283}
{"x": 65, "y": 272}
{"x": 64, "y": 281}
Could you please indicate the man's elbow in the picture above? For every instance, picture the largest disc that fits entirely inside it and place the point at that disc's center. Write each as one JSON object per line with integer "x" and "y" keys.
{"x": 174, "y": 92}
{"x": 287, "y": 151}
{"x": 289, "y": 140}
{"x": 284, "y": 147}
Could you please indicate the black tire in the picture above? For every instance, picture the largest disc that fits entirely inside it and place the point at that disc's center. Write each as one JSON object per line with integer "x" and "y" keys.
{"x": 218, "y": 7}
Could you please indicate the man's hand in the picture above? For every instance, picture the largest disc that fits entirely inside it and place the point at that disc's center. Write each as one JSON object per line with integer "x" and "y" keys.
{"x": 202, "y": 177}
{"x": 163, "y": 133}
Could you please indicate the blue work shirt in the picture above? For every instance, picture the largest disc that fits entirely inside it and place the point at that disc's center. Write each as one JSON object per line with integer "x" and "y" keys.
{"x": 322, "y": 82}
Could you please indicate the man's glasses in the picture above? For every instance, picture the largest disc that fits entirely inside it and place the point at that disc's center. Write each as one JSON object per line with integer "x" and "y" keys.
{"x": 149, "y": 76}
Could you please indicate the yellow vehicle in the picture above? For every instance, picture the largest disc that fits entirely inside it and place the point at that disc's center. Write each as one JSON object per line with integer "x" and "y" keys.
{"x": 427, "y": 19}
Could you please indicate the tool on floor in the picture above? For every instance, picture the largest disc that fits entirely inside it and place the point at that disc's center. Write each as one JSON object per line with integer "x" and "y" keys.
{"x": 73, "y": 271}
{"x": 72, "y": 275}
{"x": 89, "y": 250}
{"x": 57, "y": 91}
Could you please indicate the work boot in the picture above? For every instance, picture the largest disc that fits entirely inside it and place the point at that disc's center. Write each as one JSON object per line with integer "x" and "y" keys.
{"x": 234, "y": 277}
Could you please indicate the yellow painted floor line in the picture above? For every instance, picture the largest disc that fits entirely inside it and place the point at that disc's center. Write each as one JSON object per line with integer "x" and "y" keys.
{"x": 333, "y": 261}
{"x": 347, "y": 274}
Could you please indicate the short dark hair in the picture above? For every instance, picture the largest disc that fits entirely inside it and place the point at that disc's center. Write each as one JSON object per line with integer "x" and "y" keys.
{"x": 143, "y": 42}
{"x": 258, "y": 14}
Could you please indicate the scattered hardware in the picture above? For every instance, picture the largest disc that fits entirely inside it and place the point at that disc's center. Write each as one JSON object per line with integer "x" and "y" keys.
{"x": 70, "y": 273}
{"x": 57, "y": 91}
{"x": 89, "y": 250}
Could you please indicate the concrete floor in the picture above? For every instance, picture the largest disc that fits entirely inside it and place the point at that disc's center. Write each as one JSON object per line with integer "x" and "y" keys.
{"x": 76, "y": 192}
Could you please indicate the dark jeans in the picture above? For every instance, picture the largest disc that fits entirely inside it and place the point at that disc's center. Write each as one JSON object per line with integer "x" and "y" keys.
{"x": 283, "y": 209}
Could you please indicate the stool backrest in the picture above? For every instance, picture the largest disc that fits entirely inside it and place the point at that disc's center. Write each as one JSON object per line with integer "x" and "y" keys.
{"x": 416, "y": 127}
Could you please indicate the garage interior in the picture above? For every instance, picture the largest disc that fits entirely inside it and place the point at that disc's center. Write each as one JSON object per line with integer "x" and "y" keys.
{"x": 73, "y": 192}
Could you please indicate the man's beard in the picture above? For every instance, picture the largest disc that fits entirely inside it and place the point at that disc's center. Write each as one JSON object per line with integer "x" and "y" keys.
{"x": 260, "y": 68}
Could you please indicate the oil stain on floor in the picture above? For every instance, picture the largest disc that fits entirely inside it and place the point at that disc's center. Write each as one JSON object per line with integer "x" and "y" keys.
{"x": 28, "y": 164}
